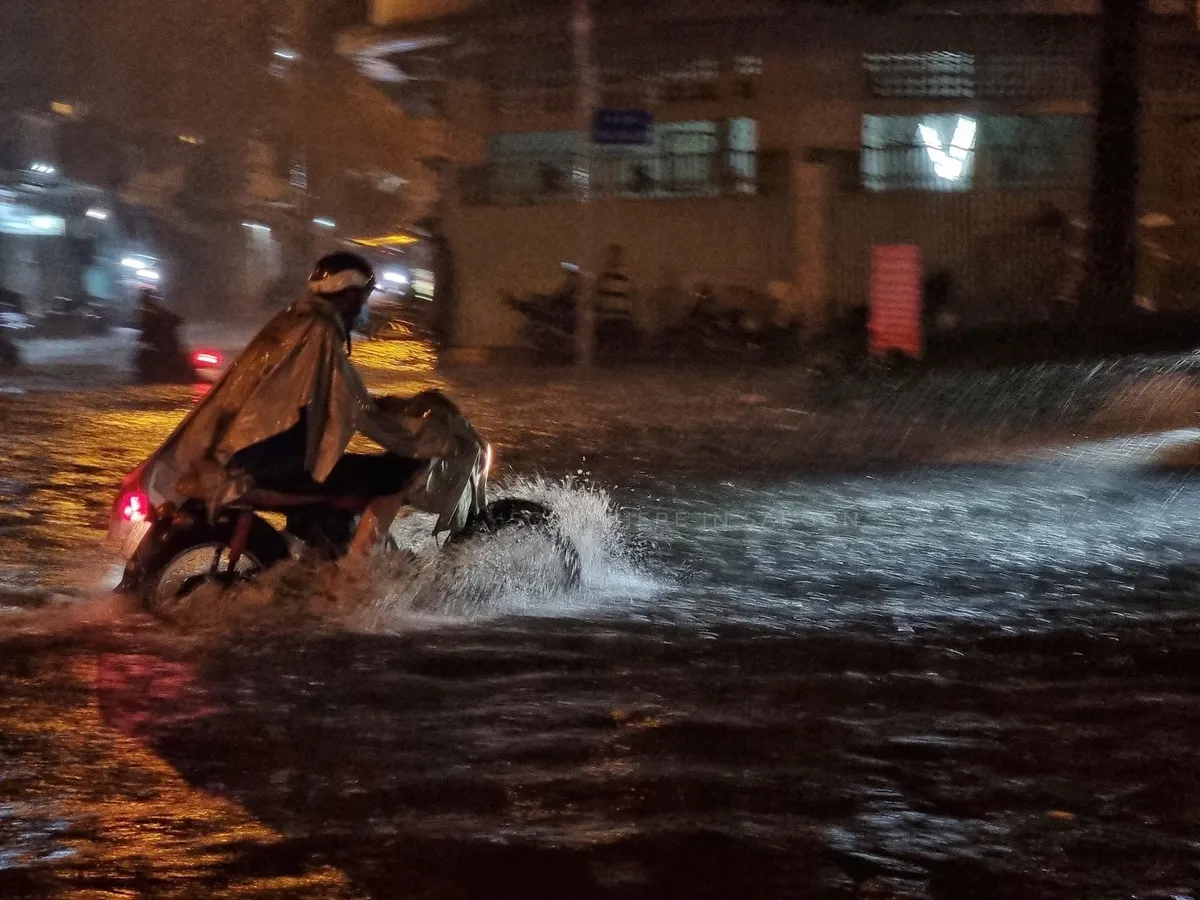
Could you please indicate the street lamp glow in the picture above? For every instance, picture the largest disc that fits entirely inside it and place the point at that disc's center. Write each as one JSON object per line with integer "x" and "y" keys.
{"x": 286, "y": 53}
{"x": 257, "y": 226}
{"x": 325, "y": 223}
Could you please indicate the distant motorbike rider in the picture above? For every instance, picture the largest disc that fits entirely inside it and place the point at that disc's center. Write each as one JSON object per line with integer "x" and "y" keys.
{"x": 12, "y": 318}
{"x": 10, "y": 355}
{"x": 160, "y": 357}
{"x": 281, "y": 418}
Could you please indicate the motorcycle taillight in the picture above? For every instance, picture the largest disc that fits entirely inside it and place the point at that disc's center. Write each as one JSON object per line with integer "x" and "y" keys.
{"x": 135, "y": 507}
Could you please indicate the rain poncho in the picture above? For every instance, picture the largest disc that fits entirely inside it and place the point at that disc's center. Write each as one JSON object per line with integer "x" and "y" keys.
{"x": 299, "y": 361}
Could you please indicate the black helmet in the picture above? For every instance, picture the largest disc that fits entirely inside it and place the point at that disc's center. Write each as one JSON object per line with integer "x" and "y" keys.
{"x": 340, "y": 271}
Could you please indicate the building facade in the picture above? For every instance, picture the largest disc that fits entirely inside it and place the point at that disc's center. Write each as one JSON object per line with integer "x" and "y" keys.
{"x": 223, "y": 139}
{"x": 788, "y": 139}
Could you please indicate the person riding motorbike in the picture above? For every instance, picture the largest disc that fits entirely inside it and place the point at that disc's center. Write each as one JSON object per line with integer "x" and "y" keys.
{"x": 12, "y": 318}
{"x": 280, "y": 420}
{"x": 10, "y": 354}
{"x": 160, "y": 356}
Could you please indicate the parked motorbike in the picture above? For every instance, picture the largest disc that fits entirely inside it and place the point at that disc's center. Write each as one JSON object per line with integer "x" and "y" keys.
{"x": 708, "y": 332}
{"x": 712, "y": 332}
{"x": 548, "y": 327}
{"x": 68, "y": 317}
{"x": 12, "y": 311}
{"x": 173, "y": 549}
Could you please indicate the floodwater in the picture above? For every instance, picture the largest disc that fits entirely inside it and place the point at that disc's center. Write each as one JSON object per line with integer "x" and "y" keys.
{"x": 969, "y": 680}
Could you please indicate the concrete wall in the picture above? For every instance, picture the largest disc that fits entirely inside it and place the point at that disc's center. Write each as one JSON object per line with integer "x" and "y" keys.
{"x": 1001, "y": 265}
{"x": 669, "y": 243}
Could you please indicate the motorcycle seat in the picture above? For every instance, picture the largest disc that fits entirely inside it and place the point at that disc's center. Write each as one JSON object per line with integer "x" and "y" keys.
{"x": 277, "y": 501}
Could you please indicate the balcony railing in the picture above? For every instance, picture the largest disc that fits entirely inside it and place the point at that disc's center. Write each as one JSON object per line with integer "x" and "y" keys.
{"x": 521, "y": 181}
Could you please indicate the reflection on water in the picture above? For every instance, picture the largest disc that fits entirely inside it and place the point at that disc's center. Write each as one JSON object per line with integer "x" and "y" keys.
{"x": 379, "y": 358}
{"x": 538, "y": 759}
{"x": 90, "y": 810}
{"x": 973, "y": 682}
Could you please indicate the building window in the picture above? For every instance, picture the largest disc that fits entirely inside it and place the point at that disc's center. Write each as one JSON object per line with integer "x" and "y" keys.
{"x": 960, "y": 152}
{"x": 695, "y": 82}
{"x": 1029, "y": 151}
{"x": 1032, "y": 77}
{"x": 746, "y": 72}
{"x": 747, "y": 66}
{"x": 684, "y": 159}
{"x": 934, "y": 152}
{"x": 938, "y": 74}
{"x": 950, "y": 75}
{"x": 743, "y": 155}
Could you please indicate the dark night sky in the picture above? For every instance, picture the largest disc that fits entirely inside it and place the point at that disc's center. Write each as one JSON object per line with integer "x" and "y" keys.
{"x": 138, "y": 61}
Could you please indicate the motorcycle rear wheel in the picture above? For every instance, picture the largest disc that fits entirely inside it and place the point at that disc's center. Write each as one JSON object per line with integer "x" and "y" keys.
{"x": 185, "y": 562}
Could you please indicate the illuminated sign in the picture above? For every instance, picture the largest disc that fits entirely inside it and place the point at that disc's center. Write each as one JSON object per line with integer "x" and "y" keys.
{"x": 630, "y": 127}
{"x": 896, "y": 300}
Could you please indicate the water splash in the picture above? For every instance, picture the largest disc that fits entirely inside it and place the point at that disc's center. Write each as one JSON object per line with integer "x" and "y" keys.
{"x": 1156, "y": 402}
{"x": 423, "y": 583}
{"x": 518, "y": 572}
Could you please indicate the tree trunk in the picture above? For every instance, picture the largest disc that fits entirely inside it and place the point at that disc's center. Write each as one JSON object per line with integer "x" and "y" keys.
{"x": 1111, "y": 282}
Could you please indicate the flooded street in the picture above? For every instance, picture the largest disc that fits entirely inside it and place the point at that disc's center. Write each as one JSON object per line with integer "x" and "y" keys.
{"x": 972, "y": 677}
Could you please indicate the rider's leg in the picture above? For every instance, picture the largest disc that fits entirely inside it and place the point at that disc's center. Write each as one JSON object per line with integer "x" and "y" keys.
{"x": 387, "y": 478}
{"x": 374, "y": 525}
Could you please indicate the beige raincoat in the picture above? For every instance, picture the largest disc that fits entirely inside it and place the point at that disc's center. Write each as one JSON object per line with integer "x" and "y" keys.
{"x": 299, "y": 361}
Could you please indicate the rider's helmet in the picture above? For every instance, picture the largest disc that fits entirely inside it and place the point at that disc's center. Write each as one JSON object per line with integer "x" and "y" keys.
{"x": 342, "y": 274}
{"x": 346, "y": 281}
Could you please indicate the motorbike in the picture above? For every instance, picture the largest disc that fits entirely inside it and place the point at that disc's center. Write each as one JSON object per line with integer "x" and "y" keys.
{"x": 713, "y": 332}
{"x": 69, "y": 317}
{"x": 174, "y": 548}
{"x": 10, "y": 354}
{"x": 161, "y": 357}
{"x": 13, "y": 322}
{"x": 548, "y": 328}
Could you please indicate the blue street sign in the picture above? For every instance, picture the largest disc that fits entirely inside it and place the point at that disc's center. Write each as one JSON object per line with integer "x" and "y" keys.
{"x": 622, "y": 126}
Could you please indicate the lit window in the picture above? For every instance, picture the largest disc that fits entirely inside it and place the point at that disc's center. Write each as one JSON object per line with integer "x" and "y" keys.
{"x": 938, "y": 152}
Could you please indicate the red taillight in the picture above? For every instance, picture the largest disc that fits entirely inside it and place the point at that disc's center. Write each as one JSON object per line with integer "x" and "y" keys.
{"x": 135, "y": 507}
{"x": 206, "y": 359}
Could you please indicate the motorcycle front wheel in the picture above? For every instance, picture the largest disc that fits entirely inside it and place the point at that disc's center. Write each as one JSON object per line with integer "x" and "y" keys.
{"x": 512, "y": 513}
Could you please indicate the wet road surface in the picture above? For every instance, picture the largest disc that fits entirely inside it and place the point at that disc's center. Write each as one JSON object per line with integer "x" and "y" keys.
{"x": 945, "y": 682}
